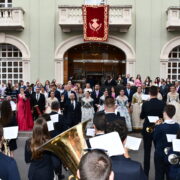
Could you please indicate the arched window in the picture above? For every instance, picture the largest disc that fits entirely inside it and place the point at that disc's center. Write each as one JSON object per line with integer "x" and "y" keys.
{"x": 174, "y": 64}
{"x": 11, "y": 65}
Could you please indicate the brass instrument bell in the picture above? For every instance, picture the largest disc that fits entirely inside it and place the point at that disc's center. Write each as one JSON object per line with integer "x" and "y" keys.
{"x": 173, "y": 159}
{"x": 69, "y": 146}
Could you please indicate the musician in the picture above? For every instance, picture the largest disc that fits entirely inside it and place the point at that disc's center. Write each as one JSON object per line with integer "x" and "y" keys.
{"x": 8, "y": 119}
{"x": 95, "y": 165}
{"x": 8, "y": 167}
{"x": 160, "y": 140}
{"x": 96, "y": 94}
{"x": 38, "y": 99}
{"x": 173, "y": 170}
{"x": 42, "y": 164}
{"x": 122, "y": 165}
{"x": 109, "y": 111}
{"x": 59, "y": 126}
{"x": 153, "y": 107}
{"x": 72, "y": 111}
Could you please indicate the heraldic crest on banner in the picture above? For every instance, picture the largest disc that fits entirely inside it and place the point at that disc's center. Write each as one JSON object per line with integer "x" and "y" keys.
{"x": 96, "y": 22}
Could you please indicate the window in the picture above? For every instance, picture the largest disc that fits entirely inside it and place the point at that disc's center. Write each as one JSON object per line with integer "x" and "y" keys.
{"x": 95, "y": 2}
{"x": 5, "y": 3}
{"x": 174, "y": 64}
{"x": 11, "y": 66}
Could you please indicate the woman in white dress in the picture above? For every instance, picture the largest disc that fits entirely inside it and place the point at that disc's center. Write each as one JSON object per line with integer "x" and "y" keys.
{"x": 123, "y": 108}
{"x": 88, "y": 88}
{"x": 87, "y": 108}
{"x": 137, "y": 123}
{"x": 49, "y": 101}
{"x": 173, "y": 98}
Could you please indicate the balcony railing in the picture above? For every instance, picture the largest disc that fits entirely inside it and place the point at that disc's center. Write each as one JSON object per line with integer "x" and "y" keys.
{"x": 70, "y": 18}
{"x": 173, "y": 19}
{"x": 11, "y": 19}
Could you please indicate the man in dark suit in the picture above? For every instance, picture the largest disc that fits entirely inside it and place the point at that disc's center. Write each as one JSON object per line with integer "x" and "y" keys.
{"x": 123, "y": 167}
{"x": 126, "y": 79}
{"x": 38, "y": 99}
{"x": 164, "y": 89}
{"x": 96, "y": 94}
{"x": 67, "y": 93}
{"x": 154, "y": 107}
{"x": 72, "y": 111}
{"x": 177, "y": 85}
{"x": 160, "y": 141}
{"x": 145, "y": 90}
{"x": 129, "y": 92}
{"x": 110, "y": 82}
{"x": 8, "y": 168}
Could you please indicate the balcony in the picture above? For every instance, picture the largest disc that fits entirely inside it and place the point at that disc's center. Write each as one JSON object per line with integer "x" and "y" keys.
{"x": 173, "y": 21}
{"x": 70, "y": 18}
{"x": 11, "y": 19}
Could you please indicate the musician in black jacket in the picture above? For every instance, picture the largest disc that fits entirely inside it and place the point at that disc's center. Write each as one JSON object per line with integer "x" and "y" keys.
{"x": 59, "y": 126}
{"x": 123, "y": 167}
{"x": 154, "y": 107}
{"x": 38, "y": 99}
{"x": 160, "y": 141}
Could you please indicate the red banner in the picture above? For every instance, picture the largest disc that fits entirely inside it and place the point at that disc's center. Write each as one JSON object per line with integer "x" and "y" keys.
{"x": 96, "y": 22}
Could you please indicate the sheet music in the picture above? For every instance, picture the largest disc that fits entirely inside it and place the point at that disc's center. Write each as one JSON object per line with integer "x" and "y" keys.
{"x": 170, "y": 137}
{"x": 110, "y": 142}
{"x": 10, "y": 132}
{"x": 50, "y": 125}
{"x": 133, "y": 143}
{"x": 145, "y": 97}
{"x": 54, "y": 117}
{"x": 90, "y": 132}
{"x": 176, "y": 145}
{"x": 153, "y": 119}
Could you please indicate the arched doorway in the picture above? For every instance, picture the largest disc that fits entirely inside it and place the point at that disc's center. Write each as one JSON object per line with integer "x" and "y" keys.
{"x": 60, "y": 57}
{"x": 93, "y": 61}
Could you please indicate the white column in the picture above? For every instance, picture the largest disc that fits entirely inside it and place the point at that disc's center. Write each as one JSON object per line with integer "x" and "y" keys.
{"x": 26, "y": 70}
{"x": 59, "y": 70}
{"x": 163, "y": 69}
{"x": 130, "y": 67}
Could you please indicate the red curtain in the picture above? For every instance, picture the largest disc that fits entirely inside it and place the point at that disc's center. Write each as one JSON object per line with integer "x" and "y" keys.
{"x": 96, "y": 22}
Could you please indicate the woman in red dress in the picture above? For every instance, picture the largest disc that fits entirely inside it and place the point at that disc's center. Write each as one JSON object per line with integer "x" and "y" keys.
{"x": 24, "y": 115}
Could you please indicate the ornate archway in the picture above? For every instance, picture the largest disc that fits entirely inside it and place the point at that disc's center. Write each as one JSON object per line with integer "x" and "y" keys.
{"x": 164, "y": 56}
{"x": 77, "y": 40}
{"x": 9, "y": 39}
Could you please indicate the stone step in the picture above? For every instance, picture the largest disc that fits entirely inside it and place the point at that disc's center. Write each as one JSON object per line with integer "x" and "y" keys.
{"x": 25, "y": 134}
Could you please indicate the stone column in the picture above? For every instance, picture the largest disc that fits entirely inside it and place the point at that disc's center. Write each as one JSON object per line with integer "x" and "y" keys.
{"x": 59, "y": 70}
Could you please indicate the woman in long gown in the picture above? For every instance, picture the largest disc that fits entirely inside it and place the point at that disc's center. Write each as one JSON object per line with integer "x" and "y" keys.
{"x": 122, "y": 108}
{"x": 87, "y": 107}
{"x": 24, "y": 115}
{"x": 173, "y": 98}
{"x": 136, "y": 109}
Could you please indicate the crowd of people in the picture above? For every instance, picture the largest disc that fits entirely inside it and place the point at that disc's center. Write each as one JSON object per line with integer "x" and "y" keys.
{"x": 121, "y": 105}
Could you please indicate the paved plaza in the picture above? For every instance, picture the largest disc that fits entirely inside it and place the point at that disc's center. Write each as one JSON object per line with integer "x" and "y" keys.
{"x": 23, "y": 167}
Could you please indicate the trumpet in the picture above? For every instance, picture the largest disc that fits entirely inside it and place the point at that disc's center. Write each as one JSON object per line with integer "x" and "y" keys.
{"x": 150, "y": 129}
{"x": 174, "y": 159}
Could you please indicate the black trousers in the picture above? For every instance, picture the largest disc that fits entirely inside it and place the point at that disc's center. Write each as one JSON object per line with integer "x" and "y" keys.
{"x": 147, "y": 138}
{"x": 160, "y": 167}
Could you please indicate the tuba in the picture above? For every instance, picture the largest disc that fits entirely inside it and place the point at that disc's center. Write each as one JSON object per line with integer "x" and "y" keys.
{"x": 69, "y": 147}
{"x": 5, "y": 148}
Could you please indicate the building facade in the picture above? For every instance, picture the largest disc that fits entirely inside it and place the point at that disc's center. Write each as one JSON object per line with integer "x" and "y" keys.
{"x": 44, "y": 40}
